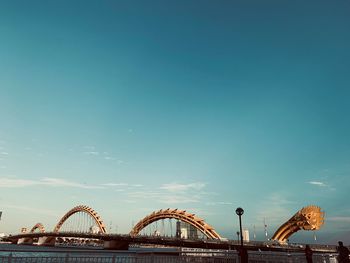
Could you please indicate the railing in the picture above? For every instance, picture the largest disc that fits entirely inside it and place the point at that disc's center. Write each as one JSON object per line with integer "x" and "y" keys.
{"x": 267, "y": 257}
{"x": 183, "y": 257}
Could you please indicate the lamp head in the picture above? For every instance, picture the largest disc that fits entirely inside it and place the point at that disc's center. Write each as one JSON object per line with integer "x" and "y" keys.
{"x": 239, "y": 211}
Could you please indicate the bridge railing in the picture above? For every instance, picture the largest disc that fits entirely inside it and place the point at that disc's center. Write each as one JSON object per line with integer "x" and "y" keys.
{"x": 186, "y": 257}
{"x": 143, "y": 259}
{"x": 266, "y": 257}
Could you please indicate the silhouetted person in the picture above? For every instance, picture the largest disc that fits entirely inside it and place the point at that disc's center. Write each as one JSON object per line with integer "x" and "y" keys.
{"x": 343, "y": 256}
{"x": 243, "y": 253}
{"x": 308, "y": 254}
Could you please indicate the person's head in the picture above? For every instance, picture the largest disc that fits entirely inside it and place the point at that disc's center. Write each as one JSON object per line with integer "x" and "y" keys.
{"x": 340, "y": 243}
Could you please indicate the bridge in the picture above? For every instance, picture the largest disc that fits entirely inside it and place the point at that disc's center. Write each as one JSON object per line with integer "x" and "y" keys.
{"x": 122, "y": 242}
{"x": 83, "y": 224}
{"x": 116, "y": 241}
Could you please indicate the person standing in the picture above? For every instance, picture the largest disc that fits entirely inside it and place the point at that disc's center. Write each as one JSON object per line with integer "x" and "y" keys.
{"x": 308, "y": 254}
{"x": 343, "y": 256}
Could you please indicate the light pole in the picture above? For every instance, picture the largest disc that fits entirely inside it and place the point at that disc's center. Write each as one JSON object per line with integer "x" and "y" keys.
{"x": 239, "y": 212}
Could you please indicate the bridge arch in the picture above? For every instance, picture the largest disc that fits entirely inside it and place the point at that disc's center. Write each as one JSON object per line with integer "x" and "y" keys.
{"x": 85, "y": 209}
{"x": 38, "y": 226}
{"x": 181, "y": 215}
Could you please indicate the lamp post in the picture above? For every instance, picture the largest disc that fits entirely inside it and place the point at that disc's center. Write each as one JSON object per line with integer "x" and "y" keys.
{"x": 239, "y": 212}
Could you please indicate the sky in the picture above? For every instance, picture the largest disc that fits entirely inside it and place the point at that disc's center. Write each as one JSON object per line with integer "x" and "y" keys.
{"x": 133, "y": 106}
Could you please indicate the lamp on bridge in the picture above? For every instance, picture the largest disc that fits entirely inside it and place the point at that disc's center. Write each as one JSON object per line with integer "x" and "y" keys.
{"x": 239, "y": 212}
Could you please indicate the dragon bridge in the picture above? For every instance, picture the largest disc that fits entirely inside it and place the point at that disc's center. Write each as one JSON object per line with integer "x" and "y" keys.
{"x": 181, "y": 215}
{"x": 307, "y": 218}
{"x": 85, "y": 209}
{"x": 38, "y": 226}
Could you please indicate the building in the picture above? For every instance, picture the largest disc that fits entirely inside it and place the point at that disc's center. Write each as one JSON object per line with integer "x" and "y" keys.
{"x": 186, "y": 231}
{"x": 246, "y": 235}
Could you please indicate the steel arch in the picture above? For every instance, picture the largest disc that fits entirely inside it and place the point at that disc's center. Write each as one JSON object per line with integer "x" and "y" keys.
{"x": 38, "y": 226}
{"x": 82, "y": 208}
{"x": 181, "y": 215}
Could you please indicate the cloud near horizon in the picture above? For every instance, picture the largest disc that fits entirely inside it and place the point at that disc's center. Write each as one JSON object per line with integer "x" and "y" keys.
{"x": 171, "y": 193}
{"x": 54, "y": 182}
{"x": 175, "y": 187}
{"x": 318, "y": 183}
{"x": 40, "y": 211}
{"x": 115, "y": 184}
{"x": 345, "y": 219}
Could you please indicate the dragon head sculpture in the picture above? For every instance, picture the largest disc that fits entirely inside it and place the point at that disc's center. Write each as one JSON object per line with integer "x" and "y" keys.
{"x": 308, "y": 218}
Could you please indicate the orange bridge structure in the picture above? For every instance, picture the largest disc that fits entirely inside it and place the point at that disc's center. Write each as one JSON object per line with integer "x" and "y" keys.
{"x": 308, "y": 218}
{"x": 113, "y": 241}
{"x": 181, "y": 215}
{"x": 38, "y": 226}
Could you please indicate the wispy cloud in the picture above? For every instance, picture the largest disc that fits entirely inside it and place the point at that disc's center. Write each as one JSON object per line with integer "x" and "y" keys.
{"x": 90, "y": 150}
{"x": 175, "y": 187}
{"x": 179, "y": 199}
{"x": 322, "y": 185}
{"x": 164, "y": 198}
{"x": 218, "y": 203}
{"x": 317, "y": 183}
{"x": 12, "y": 183}
{"x": 4, "y": 153}
{"x": 172, "y": 193}
{"x": 89, "y": 147}
{"x": 144, "y": 194}
{"x": 92, "y": 153}
{"x": 344, "y": 219}
{"x": 115, "y": 184}
{"x": 54, "y": 182}
{"x": 32, "y": 210}
{"x": 119, "y": 185}
{"x": 65, "y": 183}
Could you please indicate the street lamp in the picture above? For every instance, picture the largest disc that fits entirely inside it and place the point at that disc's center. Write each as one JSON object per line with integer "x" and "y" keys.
{"x": 239, "y": 212}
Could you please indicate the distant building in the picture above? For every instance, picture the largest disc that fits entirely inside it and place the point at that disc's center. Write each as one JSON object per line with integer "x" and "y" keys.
{"x": 178, "y": 229}
{"x": 246, "y": 235}
{"x": 186, "y": 231}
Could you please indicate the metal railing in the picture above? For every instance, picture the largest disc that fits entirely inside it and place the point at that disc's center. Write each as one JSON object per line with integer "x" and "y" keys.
{"x": 267, "y": 257}
{"x": 187, "y": 257}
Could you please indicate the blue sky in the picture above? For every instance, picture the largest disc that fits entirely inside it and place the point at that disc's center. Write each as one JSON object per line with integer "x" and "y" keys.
{"x": 133, "y": 106}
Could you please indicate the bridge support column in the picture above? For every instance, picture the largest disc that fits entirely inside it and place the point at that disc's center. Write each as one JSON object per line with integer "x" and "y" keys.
{"x": 116, "y": 245}
{"x": 25, "y": 241}
{"x": 47, "y": 241}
